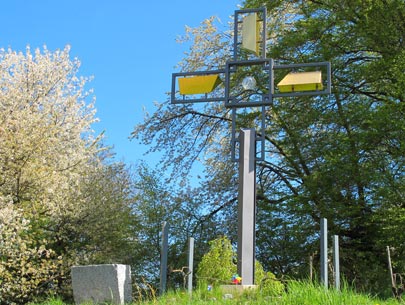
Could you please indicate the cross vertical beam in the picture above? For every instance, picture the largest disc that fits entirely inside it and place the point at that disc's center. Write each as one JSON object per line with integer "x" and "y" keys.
{"x": 247, "y": 206}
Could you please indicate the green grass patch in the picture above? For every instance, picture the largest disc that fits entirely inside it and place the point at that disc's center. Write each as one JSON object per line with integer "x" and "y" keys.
{"x": 298, "y": 293}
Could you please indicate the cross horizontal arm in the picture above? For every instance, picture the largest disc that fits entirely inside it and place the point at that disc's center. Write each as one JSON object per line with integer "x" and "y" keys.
{"x": 187, "y": 78}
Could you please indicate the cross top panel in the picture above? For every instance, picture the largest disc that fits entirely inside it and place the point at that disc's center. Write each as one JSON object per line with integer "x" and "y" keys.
{"x": 248, "y": 81}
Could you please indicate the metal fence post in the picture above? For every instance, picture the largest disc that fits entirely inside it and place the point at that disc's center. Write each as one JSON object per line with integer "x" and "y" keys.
{"x": 324, "y": 252}
{"x": 163, "y": 257}
{"x": 336, "y": 262}
{"x": 190, "y": 264}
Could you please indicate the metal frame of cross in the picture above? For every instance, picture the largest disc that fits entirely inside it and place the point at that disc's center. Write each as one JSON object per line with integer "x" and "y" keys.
{"x": 250, "y": 36}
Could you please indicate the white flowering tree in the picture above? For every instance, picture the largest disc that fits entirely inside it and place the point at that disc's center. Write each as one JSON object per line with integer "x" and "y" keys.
{"x": 47, "y": 146}
{"x": 45, "y": 127}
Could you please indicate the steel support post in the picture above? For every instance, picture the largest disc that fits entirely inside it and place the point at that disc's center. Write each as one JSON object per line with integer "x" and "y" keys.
{"x": 247, "y": 206}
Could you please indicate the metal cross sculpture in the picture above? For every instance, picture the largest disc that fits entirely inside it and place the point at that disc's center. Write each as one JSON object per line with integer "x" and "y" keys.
{"x": 249, "y": 81}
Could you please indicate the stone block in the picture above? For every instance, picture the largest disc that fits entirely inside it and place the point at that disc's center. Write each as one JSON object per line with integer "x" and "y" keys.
{"x": 102, "y": 283}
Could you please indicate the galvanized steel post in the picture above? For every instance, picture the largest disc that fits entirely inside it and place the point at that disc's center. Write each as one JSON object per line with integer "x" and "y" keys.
{"x": 247, "y": 206}
{"x": 336, "y": 262}
{"x": 324, "y": 252}
{"x": 163, "y": 257}
{"x": 190, "y": 264}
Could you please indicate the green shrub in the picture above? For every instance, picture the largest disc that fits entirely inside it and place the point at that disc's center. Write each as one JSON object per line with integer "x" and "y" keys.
{"x": 27, "y": 270}
{"x": 268, "y": 284}
{"x": 218, "y": 266}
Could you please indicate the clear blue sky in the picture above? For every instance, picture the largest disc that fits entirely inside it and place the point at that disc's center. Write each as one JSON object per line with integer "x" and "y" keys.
{"x": 127, "y": 45}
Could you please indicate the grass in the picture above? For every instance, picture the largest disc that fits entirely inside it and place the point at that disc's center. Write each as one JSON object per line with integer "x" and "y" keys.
{"x": 299, "y": 293}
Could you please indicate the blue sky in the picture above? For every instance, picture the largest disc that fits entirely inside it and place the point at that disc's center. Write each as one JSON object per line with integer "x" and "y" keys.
{"x": 128, "y": 46}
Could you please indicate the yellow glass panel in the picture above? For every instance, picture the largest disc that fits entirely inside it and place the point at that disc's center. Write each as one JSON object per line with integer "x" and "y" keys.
{"x": 301, "y": 81}
{"x": 250, "y": 33}
{"x": 199, "y": 84}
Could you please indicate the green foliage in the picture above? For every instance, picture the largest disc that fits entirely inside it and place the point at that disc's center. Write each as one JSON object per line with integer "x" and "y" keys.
{"x": 51, "y": 301}
{"x": 105, "y": 229}
{"x": 268, "y": 284}
{"x": 152, "y": 206}
{"x": 337, "y": 157}
{"x": 217, "y": 266}
{"x": 184, "y": 210}
{"x": 27, "y": 271}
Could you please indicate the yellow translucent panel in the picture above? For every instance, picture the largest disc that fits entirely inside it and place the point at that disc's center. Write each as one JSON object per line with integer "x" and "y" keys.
{"x": 199, "y": 84}
{"x": 301, "y": 81}
{"x": 250, "y": 33}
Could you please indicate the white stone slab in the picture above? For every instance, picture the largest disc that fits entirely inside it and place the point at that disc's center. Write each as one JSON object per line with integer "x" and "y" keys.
{"x": 102, "y": 283}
